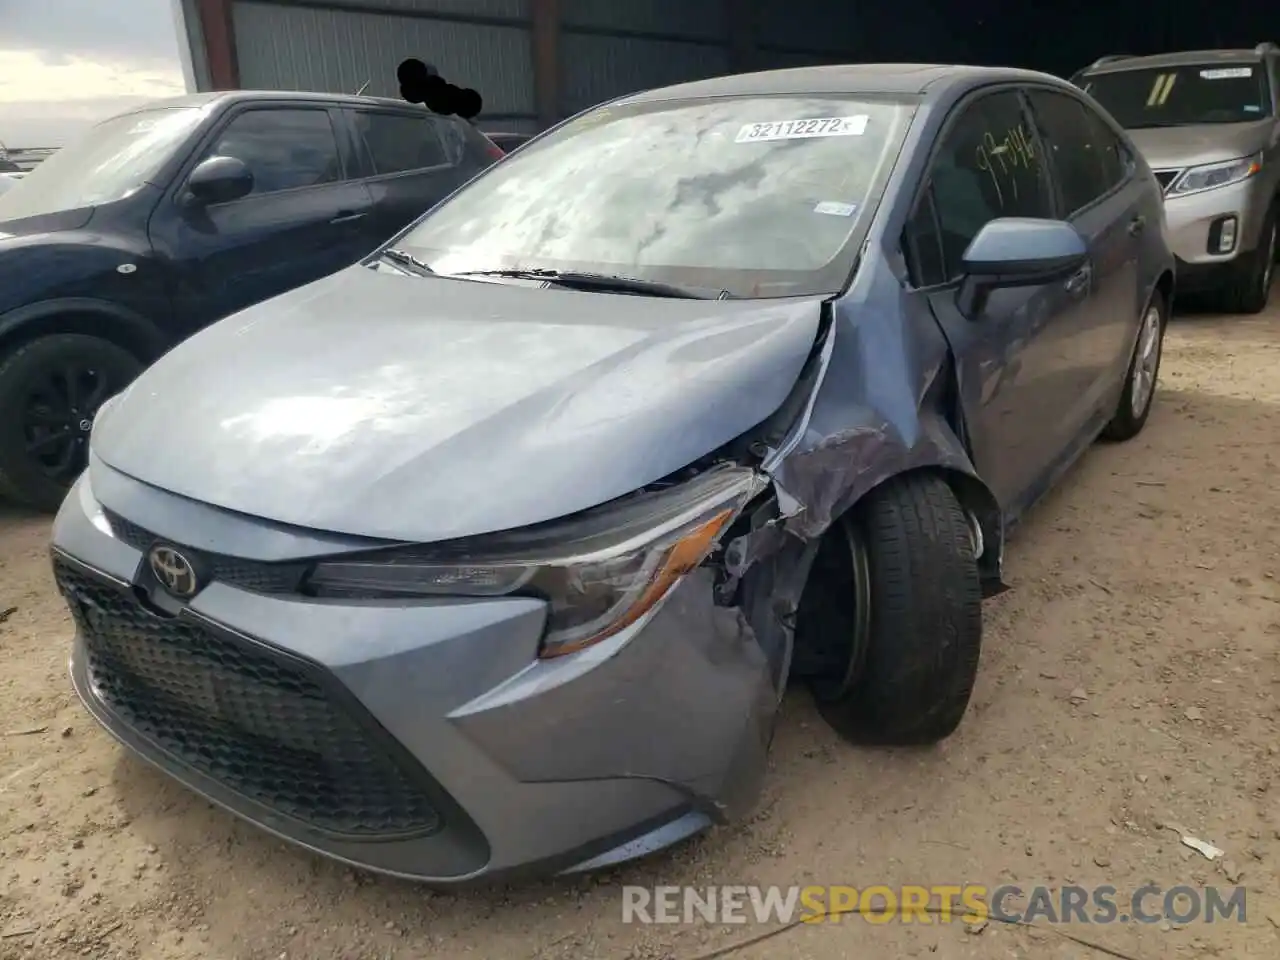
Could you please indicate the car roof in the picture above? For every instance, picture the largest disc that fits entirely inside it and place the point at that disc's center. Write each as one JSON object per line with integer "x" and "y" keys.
{"x": 240, "y": 96}
{"x": 1182, "y": 58}
{"x": 901, "y": 79}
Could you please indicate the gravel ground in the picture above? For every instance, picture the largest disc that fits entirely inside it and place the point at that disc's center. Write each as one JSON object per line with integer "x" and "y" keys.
{"x": 1129, "y": 681}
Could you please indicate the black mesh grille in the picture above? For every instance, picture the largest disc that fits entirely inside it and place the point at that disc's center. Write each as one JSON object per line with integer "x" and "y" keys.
{"x": 1166, "y": 177}
{"x": 256, "y": 721}
{"x": 254, "y": 575}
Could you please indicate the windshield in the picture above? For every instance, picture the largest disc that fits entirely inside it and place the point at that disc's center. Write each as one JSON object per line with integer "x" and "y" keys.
{"x": 110, "y": 162}
{"x": 759, "y": 196}
{"x": 1179, "y": 96}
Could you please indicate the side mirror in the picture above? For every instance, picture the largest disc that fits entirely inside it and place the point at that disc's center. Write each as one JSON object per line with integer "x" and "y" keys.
{"x": 1018, "y": 252}
{"x": 219, "y": 180}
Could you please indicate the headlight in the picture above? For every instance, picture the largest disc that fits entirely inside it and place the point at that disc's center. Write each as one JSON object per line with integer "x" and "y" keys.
{"x": 599, "y": 572}
{"x": 1210, "y": 175}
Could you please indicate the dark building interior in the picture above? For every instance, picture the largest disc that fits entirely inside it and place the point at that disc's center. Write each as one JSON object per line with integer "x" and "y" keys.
{"x": 538, "y": 61}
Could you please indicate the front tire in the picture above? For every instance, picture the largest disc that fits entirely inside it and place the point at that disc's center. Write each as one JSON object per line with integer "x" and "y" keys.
{"x": 1250, "y": 289}
{"x": 50, "y": 391}
{"x": 909, "y": 678}
{"x": 1138, "y": 395}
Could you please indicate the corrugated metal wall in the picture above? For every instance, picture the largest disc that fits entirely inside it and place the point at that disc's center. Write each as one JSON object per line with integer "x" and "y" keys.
{"x": 606, "y": 47}
{"x": 312, "y": 48}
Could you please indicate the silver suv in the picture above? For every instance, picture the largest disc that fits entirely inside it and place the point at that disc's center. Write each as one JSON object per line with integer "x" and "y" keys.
{"x": 1206, "y": 122}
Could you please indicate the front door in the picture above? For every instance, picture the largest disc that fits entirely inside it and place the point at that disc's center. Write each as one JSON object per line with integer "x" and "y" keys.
{"x": 1011, "y": 356}
{"x": 302, "y": 221}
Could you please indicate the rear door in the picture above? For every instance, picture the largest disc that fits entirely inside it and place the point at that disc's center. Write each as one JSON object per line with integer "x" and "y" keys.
{"x": 301, "y": 221}
{"x": 1101, "y": 196}
{"x": 413, "y": 161}
{"x": 987, "y": 164}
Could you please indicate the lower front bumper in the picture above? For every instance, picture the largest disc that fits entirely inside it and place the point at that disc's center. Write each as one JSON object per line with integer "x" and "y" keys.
{"x": 500, "y": 764}
{"x": 1196, "y": 278}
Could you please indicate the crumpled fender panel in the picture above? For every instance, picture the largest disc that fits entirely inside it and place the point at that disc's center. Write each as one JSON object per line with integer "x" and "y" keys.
{"x": 876, "y": 401}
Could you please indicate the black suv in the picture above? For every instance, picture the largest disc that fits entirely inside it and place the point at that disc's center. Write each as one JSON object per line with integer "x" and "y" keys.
{"x": 165, "y": 219}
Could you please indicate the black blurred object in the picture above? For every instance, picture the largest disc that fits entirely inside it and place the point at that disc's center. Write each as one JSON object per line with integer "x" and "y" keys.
{"x": 422, "y": 83}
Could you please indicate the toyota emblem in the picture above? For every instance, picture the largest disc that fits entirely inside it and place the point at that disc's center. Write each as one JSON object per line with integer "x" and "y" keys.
{"x": 174, "y": 571}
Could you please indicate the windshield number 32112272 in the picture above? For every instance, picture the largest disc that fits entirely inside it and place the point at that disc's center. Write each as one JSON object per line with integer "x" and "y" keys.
{"x": 854, "y": 126}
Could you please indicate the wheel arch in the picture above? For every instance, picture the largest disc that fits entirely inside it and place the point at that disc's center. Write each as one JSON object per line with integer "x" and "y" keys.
{"x": 1164, "y": 287}
{"x": 976, "y": 499}
{"x": 98, "y": 318}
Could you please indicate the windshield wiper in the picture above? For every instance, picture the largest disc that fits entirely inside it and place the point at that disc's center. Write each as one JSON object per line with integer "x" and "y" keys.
{"x": 605, "y": 282}
{"x": 407, "y": 261}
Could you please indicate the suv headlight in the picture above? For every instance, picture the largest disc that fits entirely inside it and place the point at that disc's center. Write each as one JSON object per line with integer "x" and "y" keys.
{"x": 1211, "y": 175}
{"x": 599, "y": 572}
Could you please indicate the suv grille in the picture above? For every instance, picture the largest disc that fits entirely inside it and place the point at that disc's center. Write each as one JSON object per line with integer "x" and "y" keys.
{"x": 256, "y": 576}
{"x": 1166, "y": 177}
{"x": 259, "y": 722}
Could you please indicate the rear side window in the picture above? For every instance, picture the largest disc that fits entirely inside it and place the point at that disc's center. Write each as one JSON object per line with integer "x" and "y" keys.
{"x": 453, "y": 134}
{"x": 284, "y": 149}
{"x": 1085, "y": 154}
{"x": 1113, "y": 154}
{"x": 399, "y": 142}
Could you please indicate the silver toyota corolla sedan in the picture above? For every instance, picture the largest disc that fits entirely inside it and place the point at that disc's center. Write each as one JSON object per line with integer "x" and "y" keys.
{"x": 496, "y": 551}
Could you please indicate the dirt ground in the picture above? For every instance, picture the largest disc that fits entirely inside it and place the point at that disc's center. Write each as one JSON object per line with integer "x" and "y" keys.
{"x": 1129, "y": 680}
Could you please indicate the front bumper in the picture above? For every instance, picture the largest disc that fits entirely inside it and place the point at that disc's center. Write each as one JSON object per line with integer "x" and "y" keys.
{"x": 424, "y": 739}
{"x": 1193, "y": 223}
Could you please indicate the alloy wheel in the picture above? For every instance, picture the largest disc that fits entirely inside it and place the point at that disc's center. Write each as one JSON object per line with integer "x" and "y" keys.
{"x": 58, "y": 417}
{"x": 1146, "y": 362}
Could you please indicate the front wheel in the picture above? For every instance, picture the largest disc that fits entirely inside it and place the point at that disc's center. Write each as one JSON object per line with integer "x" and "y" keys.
{"x": 1139, "y": 391}
{"x": 50, "y": 391}
{"x": 908, "y": 623}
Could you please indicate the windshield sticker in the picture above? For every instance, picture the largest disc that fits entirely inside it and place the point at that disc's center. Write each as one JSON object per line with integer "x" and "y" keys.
{"x": 835, "y": 208}
{"x": 803, "y": 129}
{"x": 1252, "y": 108}
{"x": 1227, "y": 73}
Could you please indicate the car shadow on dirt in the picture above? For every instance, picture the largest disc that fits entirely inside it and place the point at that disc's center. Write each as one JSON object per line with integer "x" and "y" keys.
{"x": 1119, "y": 575}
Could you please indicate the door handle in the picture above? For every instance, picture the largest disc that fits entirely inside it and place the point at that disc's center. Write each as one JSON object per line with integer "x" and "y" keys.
{"x": 346, "y": 216}
{"x": 1137, "y": 225}
{"x": 1078, "y": 282}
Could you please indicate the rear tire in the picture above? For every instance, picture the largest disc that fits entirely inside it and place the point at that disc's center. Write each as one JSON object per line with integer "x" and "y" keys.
{"x": 1250, "y": 289}
{"x": 908, "y": 680}
{"x": 50, "y": 390}
{"x": 1139, "y": 393}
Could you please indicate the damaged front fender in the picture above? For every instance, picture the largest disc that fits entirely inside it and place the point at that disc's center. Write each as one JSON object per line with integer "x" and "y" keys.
{"x": 877, "y": 400}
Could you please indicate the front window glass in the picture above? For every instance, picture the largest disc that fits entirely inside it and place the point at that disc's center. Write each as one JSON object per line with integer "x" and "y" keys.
{"x": 110, "y": 162}
{"x": 1179, "y": 96}
{"x": 759, "y": 196}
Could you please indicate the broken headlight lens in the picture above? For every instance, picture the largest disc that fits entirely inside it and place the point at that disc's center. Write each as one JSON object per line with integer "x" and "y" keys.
{"x": 599, "y": 572}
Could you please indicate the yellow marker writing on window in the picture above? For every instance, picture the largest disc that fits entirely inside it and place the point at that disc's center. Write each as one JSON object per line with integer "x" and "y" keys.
{"x": 1160, "y": 89}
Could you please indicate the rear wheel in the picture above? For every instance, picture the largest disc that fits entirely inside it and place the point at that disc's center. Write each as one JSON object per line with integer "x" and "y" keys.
{"x": 50, "y": 391}
{"x": 894, "y": 614}
{"x": 1250, "y": 288}
{"x": 1139, "y": 391}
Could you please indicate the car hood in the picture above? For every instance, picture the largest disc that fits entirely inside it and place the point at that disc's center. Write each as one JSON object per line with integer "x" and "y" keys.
{"x": 375, "y": 404}
{"x": 1167, "y": 148}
